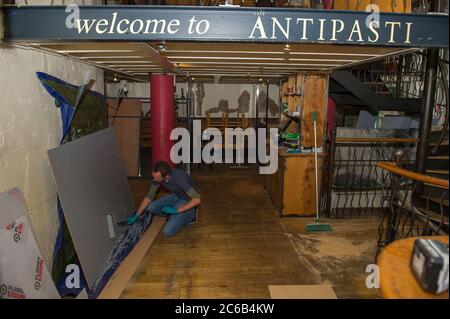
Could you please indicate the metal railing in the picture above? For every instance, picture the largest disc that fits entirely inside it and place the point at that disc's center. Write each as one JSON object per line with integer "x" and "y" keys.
{"x": 412, "y": 204}
{"x": 352, "y": 184}
{"x": 442, "y": 99}
{"x": 397, "y": 76}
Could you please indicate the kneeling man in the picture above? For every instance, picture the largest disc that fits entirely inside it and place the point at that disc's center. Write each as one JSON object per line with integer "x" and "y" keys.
{"x": 179, "y": 206}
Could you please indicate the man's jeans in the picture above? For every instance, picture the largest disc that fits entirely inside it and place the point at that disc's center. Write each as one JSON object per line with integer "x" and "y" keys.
{"x": 175, "y": 222}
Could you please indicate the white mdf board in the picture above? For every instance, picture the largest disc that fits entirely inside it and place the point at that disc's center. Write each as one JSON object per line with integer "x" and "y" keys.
{"x": 91, "y": 182}
{"x": 23, "y": 273}
{"x": 12, "y": 206}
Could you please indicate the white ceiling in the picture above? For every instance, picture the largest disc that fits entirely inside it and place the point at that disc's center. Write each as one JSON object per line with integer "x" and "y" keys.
{"x": 205, "y": 60}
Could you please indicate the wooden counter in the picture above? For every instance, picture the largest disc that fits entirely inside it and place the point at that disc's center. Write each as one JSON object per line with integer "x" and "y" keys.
{"x": 291, "y": 189}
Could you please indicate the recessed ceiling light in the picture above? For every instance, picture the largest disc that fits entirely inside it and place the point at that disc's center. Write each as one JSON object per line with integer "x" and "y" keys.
{"x": 324, "y": 59}
{"x": 92, "y": 51}
{"x": 191, "y": 64}
{"x": 112, "y": 57}
{"x": 336, "y": 53}
{"x": 223, "y": 58}
{"x": 224, "y": 52}
{"x": 126, "y": 62}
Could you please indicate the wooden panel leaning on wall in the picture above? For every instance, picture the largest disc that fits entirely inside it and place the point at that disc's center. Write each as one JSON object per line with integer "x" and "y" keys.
{"x": 291, "y": 188}
{"x": 126, "y": 123}
{"x": 299, "y": 185}
{"x": 315, "y": 99}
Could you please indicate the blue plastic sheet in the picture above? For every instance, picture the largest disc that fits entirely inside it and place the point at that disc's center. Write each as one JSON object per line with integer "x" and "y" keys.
{"x": 66, "y": 109}
{"x": 127, "y": 240}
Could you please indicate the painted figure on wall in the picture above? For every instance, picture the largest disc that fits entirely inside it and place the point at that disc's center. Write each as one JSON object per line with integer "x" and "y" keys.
{"x": 243, "y": 103}
{"x": 200, "y": 95}
{"x": 273, "y": 107}
{"x": 221, "y": 107}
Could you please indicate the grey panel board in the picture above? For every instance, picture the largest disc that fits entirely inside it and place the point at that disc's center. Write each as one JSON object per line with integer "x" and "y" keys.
{"x": 397, "y": 122}
{"x": 366, "y": 120}
{"x": 91, "y": 182}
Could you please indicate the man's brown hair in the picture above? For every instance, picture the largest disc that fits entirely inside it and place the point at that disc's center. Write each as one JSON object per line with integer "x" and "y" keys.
{"x": 163, "y": 168}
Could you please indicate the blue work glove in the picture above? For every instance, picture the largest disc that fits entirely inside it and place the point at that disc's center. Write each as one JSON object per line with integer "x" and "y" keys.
{"x": 170, "y": 210}
{"x": 132, "y": 219}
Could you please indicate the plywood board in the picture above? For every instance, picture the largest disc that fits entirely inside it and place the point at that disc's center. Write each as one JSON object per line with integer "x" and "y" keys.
{"x": 91, "y": 182}
{"x": 341, "y": 5}
{"x": 126, "y": 124}
{"x": 315, "y": 100}
{"x": 299, "y": 186}
{"x": 302, "y": 292}
{"x": 123, "y": 274}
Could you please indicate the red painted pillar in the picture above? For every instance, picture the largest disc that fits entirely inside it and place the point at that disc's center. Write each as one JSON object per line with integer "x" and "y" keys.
{"x": 162, "y": 116}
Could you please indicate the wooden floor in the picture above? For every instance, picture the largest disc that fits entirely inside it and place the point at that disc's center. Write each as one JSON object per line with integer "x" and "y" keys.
{"x": 240, "y": 246}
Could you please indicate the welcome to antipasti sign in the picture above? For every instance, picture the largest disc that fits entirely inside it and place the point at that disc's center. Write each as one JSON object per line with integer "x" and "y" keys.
{"x": 147, "y": 23}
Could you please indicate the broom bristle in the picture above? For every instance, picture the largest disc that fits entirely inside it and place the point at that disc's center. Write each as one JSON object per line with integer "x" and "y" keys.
{"x": 318, "y": 227}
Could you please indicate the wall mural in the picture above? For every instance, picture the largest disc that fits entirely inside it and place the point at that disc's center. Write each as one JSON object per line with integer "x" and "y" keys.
{"x": 216, "y": 99}
{"x": 273, "y": 106}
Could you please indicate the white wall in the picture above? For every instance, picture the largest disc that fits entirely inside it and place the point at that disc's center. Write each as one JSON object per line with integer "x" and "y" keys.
{"x": 141, "y": 90}
{"x": 213, "y": 94}
{"x": 30, "y": 124}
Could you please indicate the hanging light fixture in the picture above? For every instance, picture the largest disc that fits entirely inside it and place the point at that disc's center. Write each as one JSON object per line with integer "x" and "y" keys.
{"x": 162, "y": 46}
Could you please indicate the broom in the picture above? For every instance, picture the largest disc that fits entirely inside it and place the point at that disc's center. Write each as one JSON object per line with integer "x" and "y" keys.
{"x": 317, "y": 226}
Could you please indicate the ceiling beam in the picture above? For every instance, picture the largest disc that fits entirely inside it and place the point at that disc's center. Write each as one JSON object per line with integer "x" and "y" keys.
{"x": 155, "y": 56}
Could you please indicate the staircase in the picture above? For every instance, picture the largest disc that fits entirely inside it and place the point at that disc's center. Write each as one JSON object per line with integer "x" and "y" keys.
{"x": 346, "y": 89}
{"x": 433, "y": 201}
{"x": 393, "y": 84}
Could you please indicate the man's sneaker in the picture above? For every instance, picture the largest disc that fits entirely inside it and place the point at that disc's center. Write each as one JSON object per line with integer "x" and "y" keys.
{"x": 194, "y": 221}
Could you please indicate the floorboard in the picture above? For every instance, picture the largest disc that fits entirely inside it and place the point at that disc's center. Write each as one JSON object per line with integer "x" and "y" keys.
{"x": 240, "y": 246}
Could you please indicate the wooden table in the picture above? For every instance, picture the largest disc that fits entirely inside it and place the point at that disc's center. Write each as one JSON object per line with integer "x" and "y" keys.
{"x": 396, "y": 277}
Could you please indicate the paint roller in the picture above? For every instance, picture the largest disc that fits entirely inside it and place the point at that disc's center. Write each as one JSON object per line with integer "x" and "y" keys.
{"x": 110, "y": 224}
